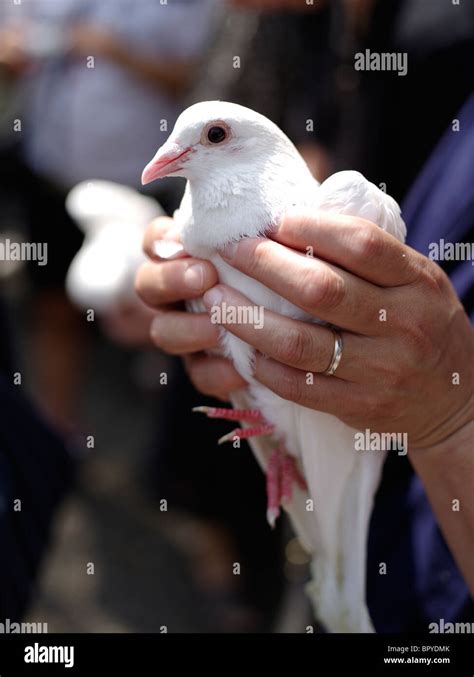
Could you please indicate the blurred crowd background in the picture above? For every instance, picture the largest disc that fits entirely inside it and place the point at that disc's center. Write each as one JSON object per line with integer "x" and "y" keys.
{"x": 85, "y": 86}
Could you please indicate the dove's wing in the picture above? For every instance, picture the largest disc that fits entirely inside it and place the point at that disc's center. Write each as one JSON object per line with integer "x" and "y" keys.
{"x": 350, "y": 193}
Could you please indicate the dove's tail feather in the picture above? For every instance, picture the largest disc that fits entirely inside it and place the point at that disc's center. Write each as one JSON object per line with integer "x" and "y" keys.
{"x": 338, "y": 590}
{"x": 342, "y": 481}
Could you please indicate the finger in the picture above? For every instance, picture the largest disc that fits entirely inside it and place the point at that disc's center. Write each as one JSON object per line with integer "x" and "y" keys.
{"x": 158, "y": 284}
{"x": 321, "y": 289}
{"x": 161, "y": 228}
{"x": 213, "y": 376}
{"x": 323, "y": 393}
{"x": 353, "y": 243}
{"x": 302, "y": 345}
{"x": 178, "y": 332}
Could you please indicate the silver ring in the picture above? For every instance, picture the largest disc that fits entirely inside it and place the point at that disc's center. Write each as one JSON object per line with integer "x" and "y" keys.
{"x": 336, "y": 355}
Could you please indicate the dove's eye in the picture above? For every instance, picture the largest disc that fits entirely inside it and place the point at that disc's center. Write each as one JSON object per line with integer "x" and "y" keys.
{"x": 216, "y": 134}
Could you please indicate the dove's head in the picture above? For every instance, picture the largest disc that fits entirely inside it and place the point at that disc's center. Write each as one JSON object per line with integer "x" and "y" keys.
{"x": 215, "y": 137}
{"x": 242, "y": 171}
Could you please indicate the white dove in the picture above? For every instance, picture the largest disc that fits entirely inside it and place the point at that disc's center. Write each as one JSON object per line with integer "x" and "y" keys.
{"x": 113, "y": 218}
{"x": 243, "y": 173}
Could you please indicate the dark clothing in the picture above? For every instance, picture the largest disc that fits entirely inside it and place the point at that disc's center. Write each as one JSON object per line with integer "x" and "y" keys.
{"x": 389, "y": 123}
{"x": 301, "y": 67}
{"x": 440, "y": 205}
{"x": 422, "y": 583}
{"x": 36, "y": 470}
{"x": 35, "y": 466}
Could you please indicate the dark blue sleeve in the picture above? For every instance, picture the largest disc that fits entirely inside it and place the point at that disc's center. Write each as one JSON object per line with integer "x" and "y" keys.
{"x": 422, "y": 583}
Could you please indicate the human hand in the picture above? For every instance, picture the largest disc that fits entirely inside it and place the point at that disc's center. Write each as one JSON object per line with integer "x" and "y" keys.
{"x": 163, "y": 284}
{"x": 407, "y": 340}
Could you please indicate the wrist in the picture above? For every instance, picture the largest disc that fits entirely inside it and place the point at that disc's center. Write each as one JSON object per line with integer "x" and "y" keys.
{"x": 456, "y": 443}
{"x": 447, "y": 472}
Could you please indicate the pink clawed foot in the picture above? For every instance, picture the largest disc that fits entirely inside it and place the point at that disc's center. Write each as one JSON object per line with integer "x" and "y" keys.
{"x": 282, "y": 471}
{"x": 282, "y": 474}
{"x": 247, "y": 415}
{"x": 246, "y": 433}
{"x": 291, "y": 475}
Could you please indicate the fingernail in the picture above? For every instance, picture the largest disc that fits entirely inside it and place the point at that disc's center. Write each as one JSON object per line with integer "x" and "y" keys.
{"x": 167, "y": 249}
{"x": 212, "y": 297}
{"x": 194, "y": 277}
{"x": 228, "y": 252}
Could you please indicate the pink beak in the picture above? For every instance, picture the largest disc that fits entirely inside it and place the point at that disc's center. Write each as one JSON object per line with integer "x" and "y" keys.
{"x": 168, "y": 160}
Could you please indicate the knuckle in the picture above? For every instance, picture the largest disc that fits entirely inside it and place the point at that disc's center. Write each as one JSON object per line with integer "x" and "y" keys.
{"x": 389, "y": 406}
{"x": 418, "y": 330}
{"x": 391, "y": 371}
{"x": 293, "y": 348}
{"x": 322, "y": 289}
{"x": 431, "y": 277}
{"x": 369, "y": 244}
{"x": 419, "y": 337}
{"x": 149, "y": 284}
{"x": 253, "y": 255}
{"x": 436, "y": 278}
